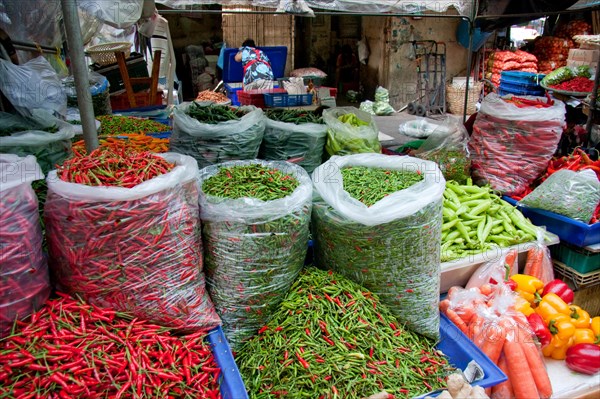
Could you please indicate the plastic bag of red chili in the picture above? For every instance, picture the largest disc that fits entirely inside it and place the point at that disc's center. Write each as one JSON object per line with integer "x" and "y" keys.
{"x": 123, "y": 231}
{"x": 24, "y": 283}
{"x": 255, "y": 217}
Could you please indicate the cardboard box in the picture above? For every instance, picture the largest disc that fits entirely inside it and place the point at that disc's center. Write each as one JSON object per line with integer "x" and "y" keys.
{"x": 572, "y": 63}
{"x": 583, "y": 55}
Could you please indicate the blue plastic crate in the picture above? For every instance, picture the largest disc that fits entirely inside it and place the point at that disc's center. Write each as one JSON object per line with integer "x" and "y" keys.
{"x": 287, "y": 100}
{"x": 233, "y": 71}
{"x": 461, "y": 350}
{"x": 519, "y": 90}
{"x": 232, "y": 89}
{"x": 232, "y": 385}
{"x": 567, "y": 229}
{"x": 522, "y": 77}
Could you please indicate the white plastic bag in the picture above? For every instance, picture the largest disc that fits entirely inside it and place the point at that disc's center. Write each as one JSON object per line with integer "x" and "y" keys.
{"x": 210, "y": 144}
{"x": 24, "y": 280}
{"x": 118, "y": 14}
{"x": 254, "y": 249}
{"x": 33, "y": 85}
{"x": 363, "y": 50}
{"x": 137, "y": 250}
{"x": 328, "y": 183}
{"x": 422, "y": 127}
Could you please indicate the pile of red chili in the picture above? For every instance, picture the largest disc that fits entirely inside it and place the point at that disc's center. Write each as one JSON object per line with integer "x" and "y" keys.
{"x": 578, "y": 84}
{"x": 70, "y": 349}
{"x": 113, "y": 166}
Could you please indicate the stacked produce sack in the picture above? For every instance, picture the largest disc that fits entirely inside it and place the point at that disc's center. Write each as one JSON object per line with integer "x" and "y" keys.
{"x": 213, "y": 133}
{"x": 24, "y": 282}
{"x": 255, "y": 217}
{"x": 513, "y": 139}
{"x": 294, "y": 136}
{"x": 509, "y": 61}
{"x": 124, "y": 233}
{"x": 350, "y": 131}
{"x": 553, "y": 51}
{"x": 42, "y": 135}
{"x": 377, "y": 220}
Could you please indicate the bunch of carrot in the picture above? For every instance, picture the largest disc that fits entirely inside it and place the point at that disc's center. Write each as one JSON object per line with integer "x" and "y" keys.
{"x": 539, "y": 263}
{"x": 487, "y": 315}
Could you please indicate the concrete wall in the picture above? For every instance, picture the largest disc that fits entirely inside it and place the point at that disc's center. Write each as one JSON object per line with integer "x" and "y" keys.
{"x": 402, "y": 64}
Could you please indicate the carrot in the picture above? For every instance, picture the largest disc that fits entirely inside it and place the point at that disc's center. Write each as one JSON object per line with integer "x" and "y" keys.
{"x": 510, "y": 259}
{"x": 475, "y": 327}
{"x": 538, "y": 369}
{"x": 486, "y": 289}
{"x": 491, "y": 340}
{"x": 533, "y": 266}
{"x": 452, "y": 290}
{"x": 444, "y": 305}
{"x": 518, "y": 371}
{"x": 504, "y": 390}
{"x": 458, "y": 322}
{"x": 466, "y": 313}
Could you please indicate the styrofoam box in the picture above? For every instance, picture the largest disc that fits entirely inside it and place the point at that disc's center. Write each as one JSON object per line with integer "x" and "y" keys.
{"x": 576, "y": 54}
{"x": 573, "y": 63}
{"x": 458, "y": 272}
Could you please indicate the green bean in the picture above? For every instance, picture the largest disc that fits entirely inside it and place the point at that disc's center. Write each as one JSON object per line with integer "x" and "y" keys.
{"x": 371, "y": 350}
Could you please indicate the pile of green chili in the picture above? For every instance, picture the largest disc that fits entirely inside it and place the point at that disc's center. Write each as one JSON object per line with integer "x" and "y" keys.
{"x": 253, "y": 180}
{"x": 111, "y": 125}
{"x": 293, "y": 116}
{"x": 454, "y": 163}
{"x": 214, "y": 113}
{"x": 332, "y": 338}
{"x": 255, "y": 220}
{"x": 369, "y": 185}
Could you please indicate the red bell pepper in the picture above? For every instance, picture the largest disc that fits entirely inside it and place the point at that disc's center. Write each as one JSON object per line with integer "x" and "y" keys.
{"x": 560, "y": 288}
{"x": 584, "y": 358}
{"x": 541, "y": 331}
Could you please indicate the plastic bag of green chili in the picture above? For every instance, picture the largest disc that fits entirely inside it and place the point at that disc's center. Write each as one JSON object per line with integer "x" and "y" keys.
{"x": 391, "y": 247}
{"x": 24, "y": 280}
{"x": 254, "y": 249}
{"x": 212, "y": 143}
{"x": 448, "y": 148}
{"x": 136, "y": 250}
{"x": 359, "y": 135}
{"x": 566, "y": 192}
{"x": 301, "y": 144}
{"x": 43, "y": 136}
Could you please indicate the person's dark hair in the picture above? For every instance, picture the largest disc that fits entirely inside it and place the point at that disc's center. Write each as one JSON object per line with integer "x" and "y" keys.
{"x": 248, "y": 43}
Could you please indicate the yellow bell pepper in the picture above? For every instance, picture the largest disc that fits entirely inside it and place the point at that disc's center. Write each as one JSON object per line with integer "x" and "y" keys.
{"x": 579, "y": 317}
{"x": 557, "y": 348}
{"x": 595, "y": 326}
{"x": 521, "y": 305}
{"x": 528, "y": 287}
{"x": 583, "y": 336}
{"x": 551, "y": 305}
{"x": 560, "y": 325}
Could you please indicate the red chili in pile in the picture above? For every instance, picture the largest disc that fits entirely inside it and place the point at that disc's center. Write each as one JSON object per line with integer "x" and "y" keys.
{"x": 70, "y": 349}
{"x": 578, "y": 84}
{"x": 114, "y": 166}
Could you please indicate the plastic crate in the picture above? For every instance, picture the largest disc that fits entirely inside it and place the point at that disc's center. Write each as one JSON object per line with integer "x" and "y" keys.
{"x": 572, "y": 231}
{"x": 232, "y": 90}
{"x": 255, "y": 97}
{"x": 519, "y": 90}
{"x": 516, "y": 77}
{"x": 232, "y": 385}
{"x": 581, "y": 280}
{"x": 287, "y": 100}
{"x": 579, "y": 259}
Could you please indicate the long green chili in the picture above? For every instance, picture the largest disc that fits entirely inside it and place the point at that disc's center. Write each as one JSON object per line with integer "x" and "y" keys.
{"x": 332, "y": 338}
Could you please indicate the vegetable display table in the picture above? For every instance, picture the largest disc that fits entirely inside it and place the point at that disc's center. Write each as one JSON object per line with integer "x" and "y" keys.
{"x": 567, "y": 384}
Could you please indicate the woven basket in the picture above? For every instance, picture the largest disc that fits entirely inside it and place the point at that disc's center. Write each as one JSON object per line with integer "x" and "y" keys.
{"x": 455, "y": 98}
{"x": 104, "y": 54}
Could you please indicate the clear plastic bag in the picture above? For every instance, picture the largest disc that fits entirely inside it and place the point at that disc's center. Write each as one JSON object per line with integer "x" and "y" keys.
{"x": 367, "y": 106}
{"x": 392, "y": 247}
{"x": 24, "y": 280}
{"x": 345, "y": 138}
{"x": 254, "y": 249}
{"x": 510, "y": 146}
{"x": 422, "y": 127}
{"x": 566, "y": 192}
{"x": 136, "y": 250}
{"x": 210, "y": 144}
{"x": 99, "y": 89}
{"x": 43, "y": 136}
{"x": 539, "y": 261}
{"x": 449, "y": 149}
{"x": 301, "y": 144}
{"x": 33, "y": 85}
{"x": 496, "y": 270}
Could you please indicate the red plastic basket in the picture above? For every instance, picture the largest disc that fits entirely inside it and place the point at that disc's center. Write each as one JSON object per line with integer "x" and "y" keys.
{"x": 255, "y": 97}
